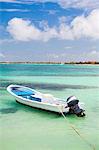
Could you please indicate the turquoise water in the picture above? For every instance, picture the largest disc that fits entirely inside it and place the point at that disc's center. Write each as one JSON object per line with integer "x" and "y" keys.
{"x": 22, "y": 127}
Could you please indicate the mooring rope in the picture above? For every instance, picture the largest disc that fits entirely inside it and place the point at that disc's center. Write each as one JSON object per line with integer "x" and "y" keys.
{"x": 77, "y": 131}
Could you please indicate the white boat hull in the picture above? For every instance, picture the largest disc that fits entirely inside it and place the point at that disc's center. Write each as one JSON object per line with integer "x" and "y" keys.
{"x": 41, "y": 106}
{"x": 57, "y": 106}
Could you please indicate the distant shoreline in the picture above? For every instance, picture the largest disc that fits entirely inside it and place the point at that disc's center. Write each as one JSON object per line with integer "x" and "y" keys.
{"x": 85, "y": 63}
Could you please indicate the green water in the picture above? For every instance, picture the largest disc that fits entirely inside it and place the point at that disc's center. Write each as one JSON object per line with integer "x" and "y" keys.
{"x": 25, "y": 128}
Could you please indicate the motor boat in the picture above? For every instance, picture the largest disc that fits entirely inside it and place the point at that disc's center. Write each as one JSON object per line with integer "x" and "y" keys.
{"x": 33, "y": 98}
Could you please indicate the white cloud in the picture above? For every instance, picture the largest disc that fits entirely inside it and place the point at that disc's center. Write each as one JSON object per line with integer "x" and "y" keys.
{"x": 13, "y": 10}
{"x": 85, "y": 56}
{"x": 2, "y": 55}
{"x": 90, "y": 4}
{"x": 68, "y": 47}
{"x": 52, "y": 12}
{"x": 53, "y": 56}
{"x": 18, "y": 1}
{"x": 49, "y": 34}
{"x": 63, "y": 19}
{"x": 2, "y": 41}
{"x": 92, "y": 55}
{"x": 79, "y": 3}
{"x": 7, "y": 0}
{"x": 94, "y": 52}
{"x": 65, "y": 32}
{"x": 23, "y": 30}
{"x": 86, "y": 26}
{"x": 15, "y": 1}
{"x": 80, "y": 27}
{"x": 43, "y": 24}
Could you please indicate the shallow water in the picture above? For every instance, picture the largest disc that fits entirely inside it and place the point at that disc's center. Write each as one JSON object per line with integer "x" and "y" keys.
{"x": 25, "y": 128}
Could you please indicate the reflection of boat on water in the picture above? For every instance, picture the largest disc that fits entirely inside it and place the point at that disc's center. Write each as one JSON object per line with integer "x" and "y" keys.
{"x": 36, "y": 99}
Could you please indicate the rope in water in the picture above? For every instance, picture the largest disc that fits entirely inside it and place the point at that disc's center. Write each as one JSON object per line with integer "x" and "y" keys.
{"x": 77, "y": 132}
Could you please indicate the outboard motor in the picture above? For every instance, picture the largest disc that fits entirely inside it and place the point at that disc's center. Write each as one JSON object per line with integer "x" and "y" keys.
{"x": 74, "y": 108}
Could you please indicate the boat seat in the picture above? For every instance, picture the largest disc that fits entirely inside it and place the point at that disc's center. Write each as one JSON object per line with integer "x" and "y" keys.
{"x": 23, "y": 93}
{"x": 35, "y": 98}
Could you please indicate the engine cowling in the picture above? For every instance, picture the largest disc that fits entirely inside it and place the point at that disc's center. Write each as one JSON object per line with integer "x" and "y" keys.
{"x": 74, "y": 108}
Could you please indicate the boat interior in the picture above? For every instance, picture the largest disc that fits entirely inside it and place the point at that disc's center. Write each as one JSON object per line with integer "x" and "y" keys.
{"x": 25, "y": 93}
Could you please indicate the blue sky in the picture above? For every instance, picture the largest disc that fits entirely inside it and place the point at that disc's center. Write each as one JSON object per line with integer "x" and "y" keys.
{"x": 49, "y": 30}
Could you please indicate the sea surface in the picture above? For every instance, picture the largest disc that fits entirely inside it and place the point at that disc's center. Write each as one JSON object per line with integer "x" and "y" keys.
{"x": 26, "y": 128}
